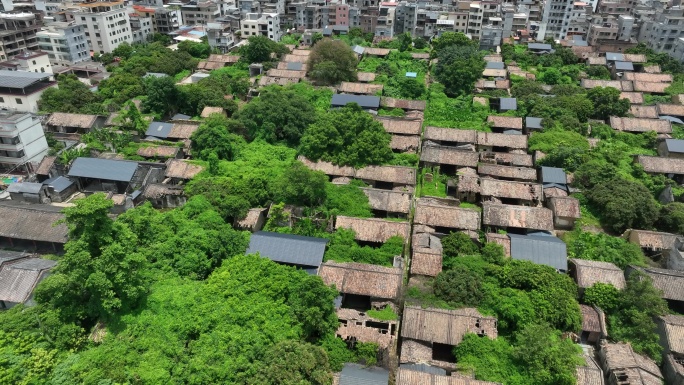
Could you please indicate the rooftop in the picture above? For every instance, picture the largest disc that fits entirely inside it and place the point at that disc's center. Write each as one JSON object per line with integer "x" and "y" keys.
{"x": 373, "y": 229}
{"x": 445, "y": 326}
{"x": 363, "y": 279}
{"x": 540, "y": 249}
{"x": 107, "y": 169}
{"x": 288, "y": 248}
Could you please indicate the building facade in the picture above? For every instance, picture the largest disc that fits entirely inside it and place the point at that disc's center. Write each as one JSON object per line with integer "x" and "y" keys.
{"x": 65, "y": 43}
{"x": 22, "y": 141}
{"x": 107, "y": 24}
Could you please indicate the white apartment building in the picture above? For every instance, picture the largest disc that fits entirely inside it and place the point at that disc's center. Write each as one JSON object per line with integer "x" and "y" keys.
{"x": 141, "y": 28}
{"x": 663, "y": 33}
{"x": 20, "y": 90}
{"x": 22, "y": 141}
{"x": 107, "y": 24}
{"x": 29, "y": 61}
{"x": 555, "y": 19}
{"x": 65, "y": 43}
{"x": 265, "y": 24}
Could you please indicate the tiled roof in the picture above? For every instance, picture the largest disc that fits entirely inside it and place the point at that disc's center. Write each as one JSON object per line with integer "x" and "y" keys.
{"x": 373, "y": 229}
{"x": 589, "y": 272}
{"x": 445, "y": 326}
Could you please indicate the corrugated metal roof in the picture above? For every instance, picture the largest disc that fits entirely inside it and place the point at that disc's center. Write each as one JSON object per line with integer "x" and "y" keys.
{"x": 540, "y": 46}
{"x": 8, "y": 255}
{"x": 671, "y": 119}
{"x": 508, "y": 104}
{"x": 59, "y": 183}
{"x": 288, "y": 248}
{"x": 36, "y": 264}
{"x": 674, "y": 145}
{"x": 495, "y": 65}
{"x": 540, "y": 249}
{"x": 612, "y": 56}
{"x": 20, "y": 79}
{"x": 183, "y": 116}
{"x": 553, "y": 175}
{"x": 359, "y": 50}
{"x": 355, "y": 374}
{"x": 25, "y": 187}
{"x": 531, "y": 122}
{"x": 107, "y": 169}
{"x": 624, "y": 66}
{"x": 294, "y": 66}
{"x": 365, "y": 101}
{"x": 159, "y": 129}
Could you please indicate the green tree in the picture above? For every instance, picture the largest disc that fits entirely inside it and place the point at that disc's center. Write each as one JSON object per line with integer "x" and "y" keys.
{"x": 258, "y": 49}
{"x": 131, "y": 119}
{"x": 672, "y": 218}
{"x": 347, "y": 136}
{"x": 603, "y": 295}
{"x": 301, "y": 186}
{"x": 332, "y": 61}
{"x": 493, "y": 253}
{"x": 405, "y": 41}
{"x": 215, "y": 136}
{"x": 198, "y": 50}
{"x": 598, "y": 72}
{"x": 603, "y": 247}
{"x": 278, "y": 115}
{"x": 161, "y": 95}
{"x": 458, "y": 244}
{"x": 624, "y": 204}
{"x": 458, "y": 68}
{"x": 527, "y": 87}
{"x": 607, "y": 102}
{"x": 293, "y": 363}
{"x": 419, "y": 43}
{"x": 459, "y": 287}
{"x": 160, "y": 38}
{"x": 71, "y": 96}
{"x": 451, "y": 39}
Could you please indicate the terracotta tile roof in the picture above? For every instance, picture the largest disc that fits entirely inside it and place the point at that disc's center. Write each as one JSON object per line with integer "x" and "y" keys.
{"x": 493, "y": 58}
{"x": 418, "y": 105}
{"x": 597, "y": 61}
{"x": 291, "y": 58}
{"x": 376, "y": 51}
{"x": 426, "y": 262}
{"x": 652, "y": 69}
{"x": 183, "y": 130}
{"x": 362, "y": 279}
{"x": 450, "y": 135}
{"x": 502, "y": 140}
{"x": 413, "y": 377}
{"x": 388, "y": 200}
{"x": 511, "y": 122}
{"x": 289, "y": 74}
{"x": 62, "y": 119}
{"x": 468, "y": 183}
{"x": 670, "y": 109}
{"x": 565, "y": 207}
{"x": 591, "y": 320}
{"x": 207, "y": 111}
{"x": 633, "y": 97}
{"x": 373, "y": 229}
{"x": 420, "y": 56}
{"x": 535, "y": 218}
{"x": 673, "y": 330}
{"x": 636, "y": 369}
{"x": 159, "y": 190}
{"x": 651, "y": 239}
{"x": 587, "y": 273}
{"x": 449, "y": 155}
{"x": 660, "y": 165}
{"x": 507, "y": 158}
{"x": 508, "y": 189}
{"x": 46, "y": 165}
{"x": 495, "y": 73}
{"x": 360, "y": 88}
{"x": 589, "y": 376}
{"x": 251, "y": 220}
{"x": 494, "y": 84}
{"x": 671, "y": 282}
{"x": 392, "y": 174}
{"x": 648, "y": 112}
{"x": 327, "y": 167}
{"x": 635, "y": 58}
{"x": 209, "y": 66}
{"x": 432, "y": 213}
{"x": 653, "y": 87}
{"x": 267, "y": 80}
{"x": 445, "y": 326}
{"x": 401, "y": 126}
{"x": 620, "y": 85}
{"x": 223, "y": 58}
{"x": 158, "y": 152}
{"x": 508, "y": 172}
{"x": 646, "y": 77}
{"x": 365, "y": 76}
{"x": 176, "y": 168}
{"x": 283, "y": 65}
{"x": 405, "y": 143}
{"x": 640, "y": 125}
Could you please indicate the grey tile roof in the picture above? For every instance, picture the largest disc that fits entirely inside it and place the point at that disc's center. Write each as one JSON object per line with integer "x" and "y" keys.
{"x": 17, "y": 280}
{"x": 541, "y": 249}
{"x": 159, "y": 129}
{"x": 553, "y": 175}
{"x": 294, "y": 66}
{"x": 355, "y": 374}
{"x": 8, "y": 256}
{"x": 20, "y": 79}
{"x": 425, "y": 368}
{"x": 540, "y": 46}
{"x": 674, "y": 145}
{"x": 365, "y": 101}
{"x": 183, "y": 116}
{"x": 287, "y": 248}
{"x": 107, "y": 169}
{"x": 25, "y": 187}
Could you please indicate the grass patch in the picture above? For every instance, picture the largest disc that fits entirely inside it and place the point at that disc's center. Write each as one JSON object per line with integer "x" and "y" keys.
{"x": 467, "y": 205}
{"x": 436, "y": 187}
{"x": 386, "y": 314}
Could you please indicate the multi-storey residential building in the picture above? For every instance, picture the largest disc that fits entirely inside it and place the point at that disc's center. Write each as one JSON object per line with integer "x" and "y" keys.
{"x": 482, "y": 13}
{"x": 65, "y": 43}
{"x": 265, "y": 24}
{"x": 22, "y": 141}
{"x": 555, "y": 19}
{"x": 221, "y": 33}
{"x": 141, "y": 28}
{"x": 615, "y": 7}
{"x": 107, "y": 24}
{"x": 20, "y": 90}
{"x": 578, "y": 22}
{"x": 165, "y": 18}
{"x": 602, "y": 28}
{"x": 663, "y": 33}
{"x": 385, "y": 21}
{"x": 199, "y": 13}
{"x": 29, "y": 61}
{"x": 18, "y": 34}
{"x": 405, "y": 18}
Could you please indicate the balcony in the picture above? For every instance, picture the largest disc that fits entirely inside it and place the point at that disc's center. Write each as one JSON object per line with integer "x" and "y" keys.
{"x": 11, "y": 147}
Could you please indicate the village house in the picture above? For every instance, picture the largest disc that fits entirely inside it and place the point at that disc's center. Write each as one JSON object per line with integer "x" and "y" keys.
{"x": 671, "y": 110}
{"x": 593, "y": 325}
{"x": 624, "y": 367}
{"x": 501, "y": 216}
{"x": 359, "y": 374}
{"x": 645, "y": 112}
{"x": 403, "y": 104}
{"x": 654, "y": 244}
{"x": 511, "y": 173}
{"x": 503, "y": 123}
{"x": 302, "y": 252}
{"x": 587, "y": 273}
{"x": 216, "y": 61}
{"x": 96, "y": 175}
{"x": 405, "y": 133}
{"x": 359, "y": 88}
{"x": 671, "y": 148}
{"x": 500, "y": 239}
{"x": 372, "y": 230}
{"x": 671, "y": 332}
{"x": 31, "y": 226}
{"x": 452, "y": 137}
{"x": 164, "y": 196}
{"x": 45, "y": 169}
{"x": 589, "y": 375}
{"x": 64, "y": 123}
{"x": 208, "y": 111}
{"x": 651, "y": 87}
{"x": 670, "y": 282}
{"x": 365, "y": 77}
{"x": 366, "y": 102}
{"x": 160, "y": 153}
{"x": 426, "y": 257}
{"x": 507, "y": 159}
{"x": 60, "y": 189}
{"x": 673, "y": 168}
{"x": 388, "y": 203}
{"x": 29, "y": 192}
{"x": 332, "y": 171}
{"x": 504, "y": 104}
{"x": 489, "y": 141}
{"x": 508, "y": 192}
{"x": 640, "y": 125}
{"x": 633, "y": 97}
{"x": 174, "y": 131}
{"x": 429, "y": 335}
{"x": 181, "y": 171}
{"x": 388, "y": 177}
{"x": 406, "y": 375}
{"x": 448, "y": 159}
{"x": 254, "y": 220}
{"x": 566, "y": 210}
{"x": 18, "y": 279}
{"x": 540, "y": 248}
{"x": 445, "y": 215}
{"x": 554, "y": 180}
{"x": 675, "y": 256}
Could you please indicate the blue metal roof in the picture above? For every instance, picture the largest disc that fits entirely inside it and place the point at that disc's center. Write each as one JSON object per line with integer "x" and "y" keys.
{"x": 675, "y": 145}
{"x": 287, "y": 248}
{"x": 540, "y": 46}
{"x": 624, "y": 66}
{"x": 535, "y": 123}
{"x": 107, "y": 169}
{"x": 553, "y": 175}
{"x": 295, "y": 66}
{"x": 508, "y": 104}
{"x": 159, "y": 129}
{"x": 512, "y": 132}
{"x": 411, "y": 74}
{"x": 540, "y": 249}
{"x": 25, "y": 188}
{"x": 359, "y": 49}
{"x": 495, "y": 65}
{"x": 613, "y": 56}
{"x": 183, "y": 116}
{"x": 365, "y": 101}
{"x": 59, "y": 184}
{"x": 355, "y": 374}
{"x": 671, "y": 119}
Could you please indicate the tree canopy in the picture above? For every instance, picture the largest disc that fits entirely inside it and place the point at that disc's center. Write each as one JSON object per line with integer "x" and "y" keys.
{"x": 331, "y": 62}
{"x": 458, "y": 68}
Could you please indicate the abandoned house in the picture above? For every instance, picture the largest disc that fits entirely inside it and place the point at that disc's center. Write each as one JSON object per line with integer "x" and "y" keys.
{"x": 445, "y": 216}
{"x": 388, "y": 177}
{"x": 180, "y": 170}
{"x": 507, "y": 159}
{"x": 332, "y": 171}
{"x": 64, "y": 123}
{"x": 305, "y": 253}
{"x": 502, "y": 123}
{"x": 587, "y": 273}
{"x": 29, "y": 192}
{"x": 625, "y": 367}
{"x": 671, "y": 148}
{"x": 97, "y": 175}
{"x": 511, "y": 193}
{"x": 31, "y": 226}
{"x": 670, "y": 282}
{"x": 566, "y": 210}
{"x": 540, "y": 248}
{"x": 373, "y": 230}
{"x": 493, "y": 142}
{"x": 448, "y": 159}
{"x": 511, "y": 173}
{"x": 429, "y": 335}
{"x": 451, "y": 137}
{"x": 19, "y": 278}
{"x": 672, "y": 168}
{"x": 388, "y": 203}
{"x": 671, "y": 332}
{"x": 593, "y": 325}
{"x": 407, "y": 375}
{"x": 59, "y": 189}
{"x": 164, "y": 196}
{"x": 653, "y": 243}
{"x": 426, "y": 254}
{"x": 253, "y": 221}
{"x": 507, "y": 217}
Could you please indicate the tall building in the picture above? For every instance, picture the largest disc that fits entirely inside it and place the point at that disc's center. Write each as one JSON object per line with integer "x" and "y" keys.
{"x": 18, "y": 34}
{"x": 107, "y": 24}
{"x": 165, "y": 19}
{"x": 65, "y": 43}
{"x": 22, "y": 141}
{"x": 200, "y": 13}
{"x": 29, "y": 61}
{"x": 141, "y": 28}
{"x": 265, "y": 24}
